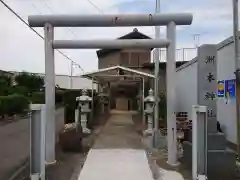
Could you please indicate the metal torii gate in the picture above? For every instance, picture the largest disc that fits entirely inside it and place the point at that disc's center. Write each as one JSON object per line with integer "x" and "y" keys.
{"x": 114, "y": 20}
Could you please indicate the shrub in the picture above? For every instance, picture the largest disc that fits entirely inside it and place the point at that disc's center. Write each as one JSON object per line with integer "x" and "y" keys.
{"x": 21, "y": 90}
{"x": 5, "y": 80}
{"x": 32, "y": 81}
{"x": 69, "y": 101}
{"x": 5, "y": 85}
{"x": 6, "y": 90}
{"x": 69, "y": 97}
{"x": 59, "y": 96}
{"x": 69, "y": 112}
{"x": 13, "y": 104}
{"x": 37, "y": 98}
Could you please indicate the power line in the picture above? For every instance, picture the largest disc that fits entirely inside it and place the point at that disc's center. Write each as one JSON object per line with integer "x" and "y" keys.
{"x": 96, "y": 7}
{"x": 21, "y": 19}
{"x": 74, "y": 34}
{"x": 69, "y": 29}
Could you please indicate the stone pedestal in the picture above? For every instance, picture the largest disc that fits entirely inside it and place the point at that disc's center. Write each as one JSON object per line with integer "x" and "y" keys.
{"x": 84, "y": 123}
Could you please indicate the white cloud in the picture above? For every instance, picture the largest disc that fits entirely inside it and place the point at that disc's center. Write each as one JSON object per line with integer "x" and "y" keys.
{"x": 22, "y": 49}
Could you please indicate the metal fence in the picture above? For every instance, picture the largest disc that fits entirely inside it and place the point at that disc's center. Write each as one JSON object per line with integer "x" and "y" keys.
{"x": 182, "y": 54}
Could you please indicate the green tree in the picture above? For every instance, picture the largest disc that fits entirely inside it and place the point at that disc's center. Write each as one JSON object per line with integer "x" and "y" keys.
{"x": 5, "y": 85}
{"x": 31, "y": 81}
{"x": 21, "y": 90}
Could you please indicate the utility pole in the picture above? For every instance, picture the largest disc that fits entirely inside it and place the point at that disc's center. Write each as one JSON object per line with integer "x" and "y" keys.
{"x": 71, "y": 74}
{"x": 156, "y": 72}
{"x": 237, "y": 73}
{"x": 196, "y": 38}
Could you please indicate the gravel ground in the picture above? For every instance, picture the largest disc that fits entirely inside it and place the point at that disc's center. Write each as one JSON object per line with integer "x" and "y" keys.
{"x": 68, "y": 165}
{"x": 157, "y": 156}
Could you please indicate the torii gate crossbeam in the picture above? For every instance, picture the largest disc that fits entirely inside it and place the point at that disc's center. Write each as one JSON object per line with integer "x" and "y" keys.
{"x": 109, "y": 44}
{"x": 51, "y": 21}
{"x": 110, "y": 20}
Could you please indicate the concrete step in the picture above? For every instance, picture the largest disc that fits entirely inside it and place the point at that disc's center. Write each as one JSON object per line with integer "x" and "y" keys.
{"x": 221, "y": 163}
{"x": 187, "y": 153}
{"x": 212, "y": 124}
{"x": 216, "y": 141}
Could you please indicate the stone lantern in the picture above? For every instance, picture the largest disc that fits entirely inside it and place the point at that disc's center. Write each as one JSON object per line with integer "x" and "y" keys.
{"x": 103, "y": 99}
{"x": 84, "y": 110}
{"x": 149, "y": 111}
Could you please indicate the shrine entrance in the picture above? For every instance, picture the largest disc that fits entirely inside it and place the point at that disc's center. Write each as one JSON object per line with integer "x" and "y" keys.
{"x": 120, "y": 88}
{"x": 124, "y": 96}
{"x": 111, "y": 20}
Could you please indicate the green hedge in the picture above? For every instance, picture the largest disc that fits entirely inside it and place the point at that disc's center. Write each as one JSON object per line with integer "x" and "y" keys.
{"x": 13, "y": 104}
{"x": 59, "y": 96}
{"x": 69, "y": 101}
{"x": 39, "y": 97}
{"x": 21, "y": 90}
{"x": 69, "y": 97}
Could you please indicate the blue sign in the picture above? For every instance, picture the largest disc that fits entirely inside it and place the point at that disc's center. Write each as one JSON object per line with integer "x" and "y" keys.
{"x": 230, "y": 89}
{"x": 220, "y": 88}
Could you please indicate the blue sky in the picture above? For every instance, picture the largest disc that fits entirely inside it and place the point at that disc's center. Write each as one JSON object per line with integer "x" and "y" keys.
{"x": 21, "y": 49}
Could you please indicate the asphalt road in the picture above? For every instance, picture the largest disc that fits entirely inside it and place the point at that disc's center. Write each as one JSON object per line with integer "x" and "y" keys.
{"x": 15, "y": 146}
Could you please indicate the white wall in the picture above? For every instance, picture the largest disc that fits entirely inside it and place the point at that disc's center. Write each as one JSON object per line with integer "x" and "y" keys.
{"x": 226, "y": 113}
{"x": 186, "y": 88}
{"x": 64, "y": 81}
{"x": 77, "y": 82}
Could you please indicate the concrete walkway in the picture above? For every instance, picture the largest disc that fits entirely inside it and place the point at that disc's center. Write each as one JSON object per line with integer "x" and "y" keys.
{"x": 119, "y": 132}
{"x": 117, "y": 153}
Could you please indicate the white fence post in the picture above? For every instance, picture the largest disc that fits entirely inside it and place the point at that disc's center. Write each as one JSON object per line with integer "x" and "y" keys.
{"x": 195, "y": 140}
{"x": 37, "y": 141}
